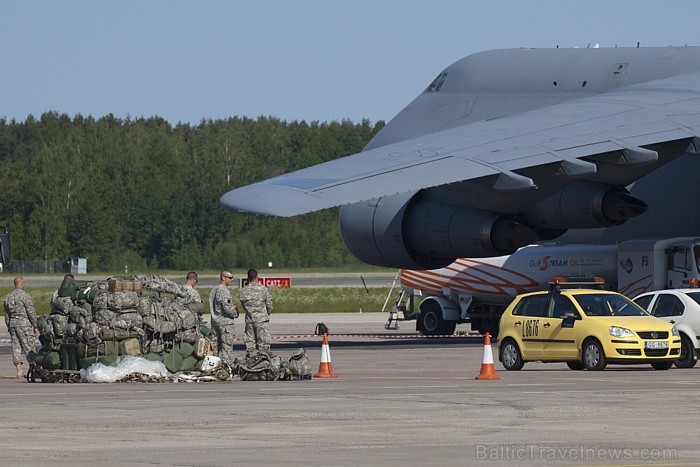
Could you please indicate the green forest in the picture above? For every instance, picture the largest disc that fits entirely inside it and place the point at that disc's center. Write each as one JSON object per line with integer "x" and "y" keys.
{"x": 144, "y": 193}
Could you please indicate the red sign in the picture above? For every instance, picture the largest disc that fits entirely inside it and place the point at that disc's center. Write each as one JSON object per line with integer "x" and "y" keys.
{"x": 284, "y": 282}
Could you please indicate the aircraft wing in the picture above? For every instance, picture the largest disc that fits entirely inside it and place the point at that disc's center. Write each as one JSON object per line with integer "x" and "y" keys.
{"x": 622, "y": 120}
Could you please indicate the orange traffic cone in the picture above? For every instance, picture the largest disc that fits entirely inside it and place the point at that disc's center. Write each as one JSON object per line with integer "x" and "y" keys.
{"x": 487, "y": 369}
{"x": 325, "y": 369}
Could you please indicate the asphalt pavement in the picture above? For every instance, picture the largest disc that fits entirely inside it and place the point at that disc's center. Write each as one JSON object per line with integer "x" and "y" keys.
{"x": 399, "y": 400}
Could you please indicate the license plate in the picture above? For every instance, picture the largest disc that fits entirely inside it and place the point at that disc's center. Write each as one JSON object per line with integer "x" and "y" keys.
{"x": 656, "y": 345}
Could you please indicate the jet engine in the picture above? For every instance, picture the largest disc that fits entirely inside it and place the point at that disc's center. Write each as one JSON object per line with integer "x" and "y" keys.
{"x": 405, "y": 231}
{"x": 584, "y": 205}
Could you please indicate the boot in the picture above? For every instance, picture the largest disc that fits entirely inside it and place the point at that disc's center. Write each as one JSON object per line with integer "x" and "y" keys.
{"x": 20, "y": 373}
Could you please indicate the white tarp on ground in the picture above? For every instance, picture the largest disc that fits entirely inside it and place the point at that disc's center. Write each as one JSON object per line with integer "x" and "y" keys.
{"x": 99, "y": 373}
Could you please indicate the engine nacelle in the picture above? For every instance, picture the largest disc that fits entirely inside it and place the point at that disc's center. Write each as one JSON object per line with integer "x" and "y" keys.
{"x": 584, "y": 205}
{"x": 404, "y": 231}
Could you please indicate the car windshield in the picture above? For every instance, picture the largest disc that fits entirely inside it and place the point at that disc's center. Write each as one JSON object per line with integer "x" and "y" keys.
{"x": 608, "y": 305}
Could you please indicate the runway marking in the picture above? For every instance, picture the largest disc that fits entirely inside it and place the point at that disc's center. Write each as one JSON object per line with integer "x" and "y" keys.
{"x": 643, "y": 465}
{"x": 626, "y": 381}
{"x": 5, "y": 341}
{"x": 535, "y": 384}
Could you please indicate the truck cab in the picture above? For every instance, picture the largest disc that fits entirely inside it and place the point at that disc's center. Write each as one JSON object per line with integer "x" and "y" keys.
{"x": 655, "y": 264}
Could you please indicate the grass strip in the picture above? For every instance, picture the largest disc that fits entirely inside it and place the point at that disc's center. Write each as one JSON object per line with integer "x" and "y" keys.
{"x": 292, "y": 300}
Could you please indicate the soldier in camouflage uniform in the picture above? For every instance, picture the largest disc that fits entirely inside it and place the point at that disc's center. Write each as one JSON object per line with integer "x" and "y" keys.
{"x": 223, "y": 312}
{"x": 257, "y": 302}
{"x": 190, "y": 297}
{"x": 190, "y": 293}
{"x": 20, "y": 318}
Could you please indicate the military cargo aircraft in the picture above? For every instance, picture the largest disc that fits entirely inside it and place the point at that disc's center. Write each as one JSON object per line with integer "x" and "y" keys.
{"x": 511, "y": 147}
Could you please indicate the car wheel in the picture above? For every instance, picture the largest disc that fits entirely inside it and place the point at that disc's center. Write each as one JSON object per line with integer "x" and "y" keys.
{"x": 430, "y": 319}
{"x": 593, "y": 356}
{"x": 511, "y": 358}
{"x": 577, "y": 365}
{"x": 662, "y": 365}
{"x": 687, "y": 358}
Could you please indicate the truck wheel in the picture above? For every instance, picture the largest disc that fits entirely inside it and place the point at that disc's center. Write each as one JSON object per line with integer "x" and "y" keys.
{"x": 430, "y": 321}
{"x": 593, "y": 355}
{"x": 510, "y": 356}
{"x": 662, "y": 365}
{"x": 488, "y": 325}
{"x": 688, "y": 356}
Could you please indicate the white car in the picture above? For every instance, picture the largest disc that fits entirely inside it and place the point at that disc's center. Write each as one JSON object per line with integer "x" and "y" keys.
{"x": 682, "y": 308}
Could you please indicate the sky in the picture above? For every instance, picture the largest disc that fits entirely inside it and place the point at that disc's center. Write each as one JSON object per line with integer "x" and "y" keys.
{"x": 315, "y": 60}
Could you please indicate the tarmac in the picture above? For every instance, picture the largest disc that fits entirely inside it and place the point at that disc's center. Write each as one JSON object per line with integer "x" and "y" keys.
{"x": 399, "y": 400}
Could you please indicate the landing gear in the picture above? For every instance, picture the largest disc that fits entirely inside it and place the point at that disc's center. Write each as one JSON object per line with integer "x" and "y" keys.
{"x": 486, "y": 324}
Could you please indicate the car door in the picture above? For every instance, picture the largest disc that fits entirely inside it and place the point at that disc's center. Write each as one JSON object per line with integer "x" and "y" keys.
{"x": 560, "y": 342}
{"x": 668, "y": 307}
{"x": 528, "y": 317}
{"x": 691, "y": 316}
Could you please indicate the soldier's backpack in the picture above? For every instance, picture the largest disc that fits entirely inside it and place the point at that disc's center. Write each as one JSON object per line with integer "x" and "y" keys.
{"x": 298, "y": 366}
{"x": 321, "y": 329}
{"x": 258, "y": 367}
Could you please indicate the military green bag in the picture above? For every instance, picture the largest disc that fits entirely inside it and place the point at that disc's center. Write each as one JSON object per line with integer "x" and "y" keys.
{"x": 185, "y": 318}
{"x": 51, "y": 361}
{"x": 258, "y": 367}
{"x": 159, "y": 326}
{"x": 117, "y": 334}
{"x": 206, "y": 331}
{"x": 188, "y": 363}
{"x": 118, "y": 301}
{"x": 299, "y": 365}
{"x": 172, "y": 361}
{"x": 81, "y": 315}
{"x": 131, "y": 347}
{"x": 184, "y": 349}
{"x": 197, "y": 308}
{"x": 154, "y": 357}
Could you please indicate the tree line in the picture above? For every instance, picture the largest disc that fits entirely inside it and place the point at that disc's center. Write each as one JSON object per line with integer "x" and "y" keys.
{"x": 144, "y": 193}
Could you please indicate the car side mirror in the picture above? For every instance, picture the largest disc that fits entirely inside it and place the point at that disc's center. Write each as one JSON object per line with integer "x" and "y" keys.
{"x": 568, "y": 321}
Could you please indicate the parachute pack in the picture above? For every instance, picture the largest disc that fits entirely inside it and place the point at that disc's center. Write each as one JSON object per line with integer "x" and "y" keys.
{"x": 97, "y": 322}
{"x": 109, "y": 322}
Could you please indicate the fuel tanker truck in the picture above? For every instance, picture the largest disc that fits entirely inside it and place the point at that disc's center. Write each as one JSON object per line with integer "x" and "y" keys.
{"x": 477, "y": 291}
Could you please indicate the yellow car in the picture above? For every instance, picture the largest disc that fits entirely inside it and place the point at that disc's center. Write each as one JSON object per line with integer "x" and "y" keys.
{"x": 586, "y": 329}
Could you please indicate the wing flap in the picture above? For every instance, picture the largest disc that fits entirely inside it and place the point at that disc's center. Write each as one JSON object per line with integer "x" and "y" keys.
{"x": 293, "y": 197}
{"x": 615, "y": 122}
